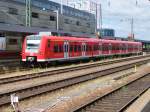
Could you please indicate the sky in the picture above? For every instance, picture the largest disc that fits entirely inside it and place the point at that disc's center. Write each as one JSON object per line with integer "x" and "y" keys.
{"x": 117, "y": 14}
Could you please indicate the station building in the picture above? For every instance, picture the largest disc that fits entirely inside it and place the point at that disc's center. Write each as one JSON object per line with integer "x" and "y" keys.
{"x": 43, "y": 17}
{"x": 105, "y": 32}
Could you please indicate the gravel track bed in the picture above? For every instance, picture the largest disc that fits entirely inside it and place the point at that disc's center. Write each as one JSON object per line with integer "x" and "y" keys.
{"x": 75, "y": 90}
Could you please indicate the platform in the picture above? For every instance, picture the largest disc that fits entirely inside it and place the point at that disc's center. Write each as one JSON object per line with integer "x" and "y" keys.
{"x": 142, "y": 104}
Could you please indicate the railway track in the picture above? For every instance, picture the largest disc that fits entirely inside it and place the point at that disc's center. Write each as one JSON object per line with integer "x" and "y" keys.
{"x": 11, "y": 79}
{"x": 118, "y": 100}
{"x": 9, "y": 65}
{"x": 32, "y": 90}
{"x": 14, "y": 65}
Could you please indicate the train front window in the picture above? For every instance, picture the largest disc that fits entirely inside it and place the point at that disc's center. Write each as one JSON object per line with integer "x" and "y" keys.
{"x": 32, "y": 44}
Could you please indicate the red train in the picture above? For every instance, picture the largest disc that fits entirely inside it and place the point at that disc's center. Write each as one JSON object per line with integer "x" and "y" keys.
{"x": 46, "y": 48}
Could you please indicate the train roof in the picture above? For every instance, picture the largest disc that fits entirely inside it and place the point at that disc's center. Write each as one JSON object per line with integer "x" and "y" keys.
{"x": 89, "y": 39}
{"x": 58, "y": 38}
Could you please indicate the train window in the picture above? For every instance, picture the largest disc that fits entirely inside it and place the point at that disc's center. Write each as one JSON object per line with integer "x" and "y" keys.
{"x": 117, "y": 47}
{"x": 110, "y": 47}
{"x": 86, "y": 47}
{"x": 56, "y": 48}
{"x": 130, "y": 47}
{"x": 13, "y": 11}
{"x": 79, "y": 48}
{"x": 71, "y": 48}
{"x": 48, "y": 43}
{"x": 60, "y": 48}
{"x": 120, "y": 47}
{"x": 105, "y": 47}
{"x": 113, "y": 47}
{"x": 100, "y": 47}
{"x": 75, "y": 48}
{"x": 123, "y": 47}
{"x": 90, "y": 48}
{"x": 96, "y": 47}
{"x": 13, "y": 41}
{"x": 35, "y": 15}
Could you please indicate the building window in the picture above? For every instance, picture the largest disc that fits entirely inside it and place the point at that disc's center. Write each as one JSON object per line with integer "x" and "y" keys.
{"x": 88, "y": 24}
{"x": 78, "y": 23}
{"x": 13, "y": 41}
{"x": 52, "y": 18}
{"x": 35, "y": 15}
{"x": 13, "y": 11}
{"x": 66, "y": 21}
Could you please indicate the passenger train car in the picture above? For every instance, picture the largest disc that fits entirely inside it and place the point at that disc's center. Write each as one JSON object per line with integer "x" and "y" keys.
{"x": 45, "y": 48}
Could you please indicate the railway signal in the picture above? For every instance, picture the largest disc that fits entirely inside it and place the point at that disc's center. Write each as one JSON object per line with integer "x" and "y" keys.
{"x": 15, "y": 102}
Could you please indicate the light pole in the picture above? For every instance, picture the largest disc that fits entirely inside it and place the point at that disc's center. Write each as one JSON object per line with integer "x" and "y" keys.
{"x": 61, "y": 5}
{"x": 132, "y": 27}
{"x": 96, "y": 20}
{"x": 57, "y": 19}
{"x": 100, "y": 18}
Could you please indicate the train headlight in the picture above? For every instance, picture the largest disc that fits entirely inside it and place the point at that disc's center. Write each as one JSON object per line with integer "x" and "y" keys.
{"x": 31, "y": 59}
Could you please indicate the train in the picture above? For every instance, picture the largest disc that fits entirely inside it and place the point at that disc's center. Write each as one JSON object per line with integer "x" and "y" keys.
{"x": 47, "y": 48}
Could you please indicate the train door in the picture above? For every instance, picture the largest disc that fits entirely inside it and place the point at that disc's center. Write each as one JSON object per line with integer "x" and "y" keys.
{"x": 66, "y": 49}
{"x": 83, "y": 49}
{"x": 110, "y": 48}
{"x": 126, "y": 48}
{"x": 100, "y": 48}
{"x": 120, "y": 48}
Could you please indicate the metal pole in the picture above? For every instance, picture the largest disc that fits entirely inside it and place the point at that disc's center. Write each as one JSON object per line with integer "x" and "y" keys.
{"x": 61, "y": 6}
{"x": 28, "y": 13}
{"x": 57, "y": 21}
{"x": 132, "y": 33}
{"x": 101, "y": 19}
{"x": 96, "y": 20}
